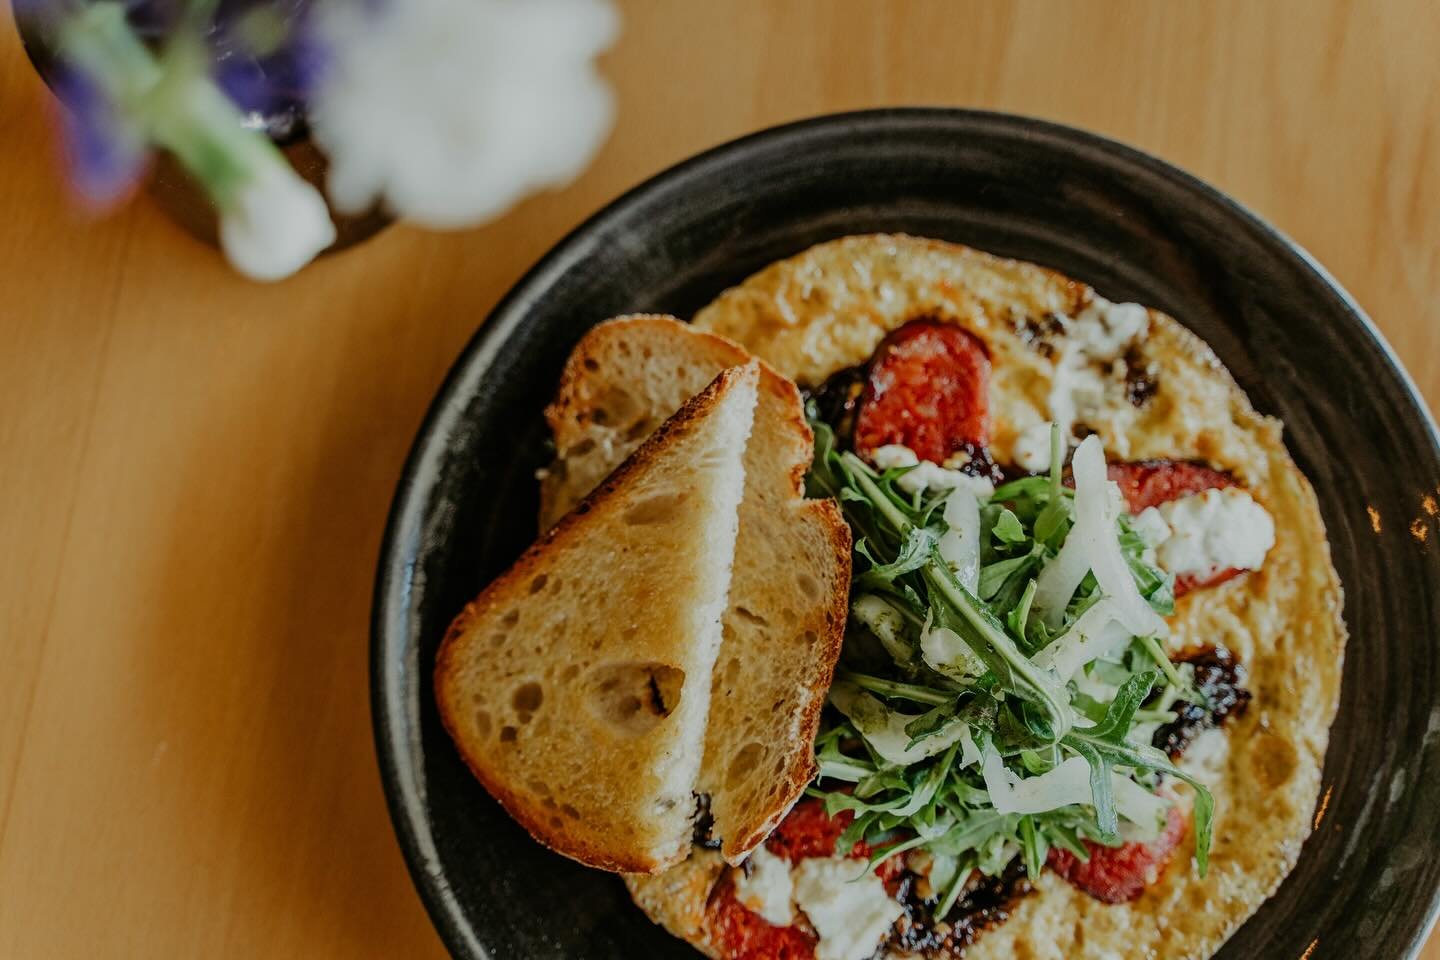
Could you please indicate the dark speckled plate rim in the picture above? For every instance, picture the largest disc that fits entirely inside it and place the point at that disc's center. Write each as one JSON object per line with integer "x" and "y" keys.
{"x": 395, "y": 709}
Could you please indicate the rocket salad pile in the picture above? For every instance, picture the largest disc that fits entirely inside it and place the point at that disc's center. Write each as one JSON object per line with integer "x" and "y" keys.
{"x": 1003, "y": 672}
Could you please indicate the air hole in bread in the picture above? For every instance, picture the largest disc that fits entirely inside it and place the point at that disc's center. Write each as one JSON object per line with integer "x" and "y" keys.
{"x": 581, "y": 448}
{"x": 538, "y": 584}
{"x": 750, "y": 616}
{"x": 539, "y": 787}
{"x": 658, "y": 508}
{"x": 508, "y": 734}
{"x": 808, "y": 585}
{"x": 528, "y": 697}
{"x": 497, "y": 640}
{"x": 569, "y": 811}
{"x": 510, "y": 619}
{"x": 556, "y": 822}
{"x": 810, "y": 638}
{"x": 732, "y": 669}
{"x": 483, "y": 724}
{"x": 569, "y": 673}
{"x": 617, "y": 405}
{"x": 591, "y": 364}
{"x": 743, "y": 763}
{"x": 632, "y": 698}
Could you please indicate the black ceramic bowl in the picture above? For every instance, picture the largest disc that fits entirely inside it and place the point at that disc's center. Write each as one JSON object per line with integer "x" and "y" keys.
{"x": 1137, "y": 229}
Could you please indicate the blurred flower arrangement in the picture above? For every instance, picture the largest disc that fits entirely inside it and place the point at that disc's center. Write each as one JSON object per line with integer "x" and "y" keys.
{"x": 442, "y": 112}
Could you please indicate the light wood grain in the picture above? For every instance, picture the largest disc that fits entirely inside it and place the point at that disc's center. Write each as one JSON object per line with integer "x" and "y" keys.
{"x": 196, "y": 469}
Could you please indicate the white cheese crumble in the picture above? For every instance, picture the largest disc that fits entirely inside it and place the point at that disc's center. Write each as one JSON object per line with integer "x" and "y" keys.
{"x": 847, "y": 904}
{"x": 1207, "y": 756}
{"x": 1105, "y": 330}
{"x": 766, "y": 887}
{"x": 1151, "y": 526}
{"x": 1212, "y": 531}
{"x": 1086, "y": 379}
{"x": 926, "y": 475}
{"x": 1031, "y": 451}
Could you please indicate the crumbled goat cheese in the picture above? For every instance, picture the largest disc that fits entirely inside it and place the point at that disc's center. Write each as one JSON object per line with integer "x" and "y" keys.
{"x": 766, "y": 887}
{"x": 847, "y": 904}
{"x": 1151, "y": 526}
{"x": 1215, "y": 530}
{"x": 1207, "y": 756}
{"x": 1031, "y": 451}
{"x": 927, "y": 475}
{"x": 1095, "y": 342}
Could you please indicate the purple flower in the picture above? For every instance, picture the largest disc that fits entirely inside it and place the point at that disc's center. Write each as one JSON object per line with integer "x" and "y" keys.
{"x": 266, "y": 60}
{"x": 106, "y": 155}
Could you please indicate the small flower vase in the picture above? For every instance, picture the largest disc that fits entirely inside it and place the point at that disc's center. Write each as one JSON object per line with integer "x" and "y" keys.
{"x": 184, "y": 199}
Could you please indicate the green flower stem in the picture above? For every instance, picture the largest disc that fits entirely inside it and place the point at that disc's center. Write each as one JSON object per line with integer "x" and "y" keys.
{"x": 171, "y": 101}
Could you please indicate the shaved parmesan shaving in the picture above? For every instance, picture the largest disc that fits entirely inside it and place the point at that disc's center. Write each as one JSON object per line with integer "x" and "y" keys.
{"x": 1145, "y": 810}
{"x": 947, "y": 654}
{"x": 887, "y": 623}
{"x": 1066, "y": 785}
{"x": 1093, "y": 545}
{"x": 884, "y": 729}
{"x": 960, "y": 545}
{"x": 1098, "y": 632}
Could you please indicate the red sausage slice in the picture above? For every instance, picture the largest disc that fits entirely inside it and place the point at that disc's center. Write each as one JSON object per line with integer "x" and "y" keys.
{"x": 1149, "y": 483}
{"x": 740, "y": 933}
{"x": 928, "y": 389}
{"x": 1120, "y": 874}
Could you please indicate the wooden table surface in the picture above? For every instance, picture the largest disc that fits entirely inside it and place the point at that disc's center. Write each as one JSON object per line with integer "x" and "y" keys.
{"x": 196, "y": 469}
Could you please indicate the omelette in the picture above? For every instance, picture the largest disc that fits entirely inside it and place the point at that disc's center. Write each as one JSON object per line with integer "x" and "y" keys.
{"x": 935, "y": 368}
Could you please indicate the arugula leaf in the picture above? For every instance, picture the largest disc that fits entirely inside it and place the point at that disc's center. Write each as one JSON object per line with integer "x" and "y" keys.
{"x": 1007, "y": 528}
{"x": 1104, "y": 747}
{"x": 896, "y": 689}
{"x": 994, "y": 575}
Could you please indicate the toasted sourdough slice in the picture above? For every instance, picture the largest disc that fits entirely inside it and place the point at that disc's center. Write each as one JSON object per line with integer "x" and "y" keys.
{"x": 577, "y": 685}
{"x": 787, "y": 608}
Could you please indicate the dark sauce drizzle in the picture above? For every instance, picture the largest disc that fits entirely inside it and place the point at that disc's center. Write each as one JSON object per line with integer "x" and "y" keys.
{"x": 704, "y": 824}
{"x": 837, "y": 399}
{"x": 1140, "y": 379}
{"x": 1218, "y": 678}
{"x": 987, "y": 904}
